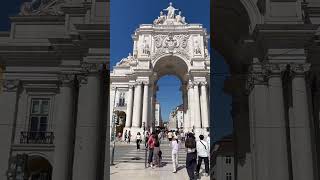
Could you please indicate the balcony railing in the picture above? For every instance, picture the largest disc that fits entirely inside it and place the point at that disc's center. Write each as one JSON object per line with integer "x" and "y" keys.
{"x": 121, "y": 104}
{"x": 29, "y": 137}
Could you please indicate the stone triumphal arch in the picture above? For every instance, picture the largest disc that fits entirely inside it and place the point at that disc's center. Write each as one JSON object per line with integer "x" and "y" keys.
{"x": 169, "y": 46}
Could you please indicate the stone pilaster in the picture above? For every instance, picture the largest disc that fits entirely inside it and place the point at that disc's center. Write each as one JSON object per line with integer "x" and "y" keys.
{"x": 8, "y": 100}
{"x": 196, "y": 95}
{"x": 64, "y": 129}
{"x": 258, "y": 109}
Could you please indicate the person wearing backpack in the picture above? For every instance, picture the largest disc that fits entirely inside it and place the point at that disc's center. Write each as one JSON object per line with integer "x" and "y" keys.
{"x": 203, "y": 154}
{"x": 191, "y": 160}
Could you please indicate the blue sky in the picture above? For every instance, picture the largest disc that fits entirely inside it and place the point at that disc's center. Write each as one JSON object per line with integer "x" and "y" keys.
{"x": 126, "y": 15}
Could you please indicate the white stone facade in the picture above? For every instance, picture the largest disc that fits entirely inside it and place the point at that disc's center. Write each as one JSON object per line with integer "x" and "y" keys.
{"x": 169, "y": 46}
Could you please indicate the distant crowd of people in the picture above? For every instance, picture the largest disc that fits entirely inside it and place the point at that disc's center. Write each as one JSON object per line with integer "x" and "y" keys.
{"x": 197, "y": 151}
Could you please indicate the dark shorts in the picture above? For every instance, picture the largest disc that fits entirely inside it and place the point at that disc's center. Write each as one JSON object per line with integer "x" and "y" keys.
{"x": 170, "y": 139}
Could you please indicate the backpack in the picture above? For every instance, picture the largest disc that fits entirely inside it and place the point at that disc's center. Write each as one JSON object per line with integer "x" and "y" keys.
{"x": 190, "y": 143}
{"x": 156, "y": 143}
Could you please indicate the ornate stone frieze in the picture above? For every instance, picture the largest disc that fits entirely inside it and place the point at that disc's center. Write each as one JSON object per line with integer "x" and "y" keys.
{"x": 9, "y": 85}
{"x": 166, "y": 44}
{"x": 42, "y": 7}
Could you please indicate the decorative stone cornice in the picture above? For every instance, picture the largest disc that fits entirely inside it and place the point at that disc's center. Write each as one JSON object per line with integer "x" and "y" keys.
{"x": 9, "y": 85}
{"x": 42, "y": 8}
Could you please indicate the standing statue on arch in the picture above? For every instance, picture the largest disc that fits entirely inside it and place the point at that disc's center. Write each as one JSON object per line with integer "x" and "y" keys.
{"x": 171, "y": 11}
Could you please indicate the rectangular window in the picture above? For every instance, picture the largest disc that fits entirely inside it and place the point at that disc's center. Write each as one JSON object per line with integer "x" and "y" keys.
{"x": 228, "y": 176}
{"x": 228, "y": 159}
{"x": 39, "y": 115}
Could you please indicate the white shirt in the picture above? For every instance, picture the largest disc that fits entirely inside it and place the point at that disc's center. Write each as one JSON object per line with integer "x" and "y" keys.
{"x": 202, "y": 148}
{"x": 138, "y": 136}
{"x": 175, "y": 146}
{"x": 208, "y": 141}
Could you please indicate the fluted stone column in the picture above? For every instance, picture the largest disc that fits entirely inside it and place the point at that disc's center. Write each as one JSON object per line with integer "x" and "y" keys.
{"x": 189, "y": 122}
{"x": 277, "y": 131}
{"x": 136, "y": 121}
{"x": 63, "y": 130}
{"x": 204, "y": 105}
{"x": 258, "y": 109}
{"x": 197, "y": 118}
{"x": 302, "y": 163}
{"x": 129, "y": 107}
{"x": 86, "y": 157}
{"x": 145, "y": 104}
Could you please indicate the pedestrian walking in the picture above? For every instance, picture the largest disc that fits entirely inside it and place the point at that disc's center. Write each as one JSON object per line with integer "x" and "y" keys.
{"x": 156, "y": 151}
{"x": 138, "y": 141}
{"x": 151, "y": 148}
{"x": 129, "y": 137}
{"x": 203, "y": 153}
{"x": 170, "y": 135}
{"x": 174, "y": 153}
{"x": 182, "y": 137}
{"x": 125, "y": 136}
{"x": 191, "y": 160}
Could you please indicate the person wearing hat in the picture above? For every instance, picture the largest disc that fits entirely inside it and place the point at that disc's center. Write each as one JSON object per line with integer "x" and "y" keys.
{"x": 203, "y": 154}
{"x": 175, "y": 149}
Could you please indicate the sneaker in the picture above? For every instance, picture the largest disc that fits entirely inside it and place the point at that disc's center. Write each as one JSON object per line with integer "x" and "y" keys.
{"x": 174, "y": 171}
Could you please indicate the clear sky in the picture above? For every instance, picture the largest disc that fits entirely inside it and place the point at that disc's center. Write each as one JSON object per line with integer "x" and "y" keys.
{"x": 126, "y": 15}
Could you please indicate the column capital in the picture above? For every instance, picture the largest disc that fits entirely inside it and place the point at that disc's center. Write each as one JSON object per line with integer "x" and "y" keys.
{"x": 130, "y": 86}
{"x": 300, "y": 69}
{"x": 196, "y": 83}
{"x": 204, "y": 84}
{"x": 83, "y": 79}
{"x": 190, "y": 85}
{"x": 66, "y": 79}
{"x": 138, "y": 83}
{"x": 275, "y": 69}
{"x": 90, "y": 67}
{"x": 9, "y": 85}
{"x": 146, "y": 83}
